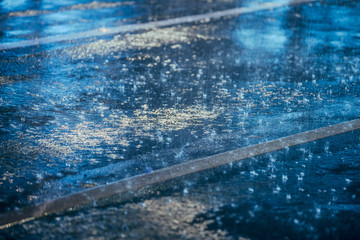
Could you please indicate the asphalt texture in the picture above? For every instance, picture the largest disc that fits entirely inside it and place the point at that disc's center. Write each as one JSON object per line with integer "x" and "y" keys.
{"x": 85, "y": 110}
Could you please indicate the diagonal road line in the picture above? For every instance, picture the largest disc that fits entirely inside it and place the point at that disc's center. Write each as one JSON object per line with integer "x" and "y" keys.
{"x": 131, "y": 184}
{"x": 144, "y": 26}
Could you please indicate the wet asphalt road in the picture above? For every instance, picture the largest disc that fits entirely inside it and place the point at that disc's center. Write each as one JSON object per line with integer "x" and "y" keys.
{"x": 83, "y": 112}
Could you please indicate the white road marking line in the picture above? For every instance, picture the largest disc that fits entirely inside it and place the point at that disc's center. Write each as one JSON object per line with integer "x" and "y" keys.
{"x": 143, "y": 26}
{"x": 131, "y": 184}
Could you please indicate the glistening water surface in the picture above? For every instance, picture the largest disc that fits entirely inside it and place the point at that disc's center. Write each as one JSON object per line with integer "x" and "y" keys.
{"x": 84, "y": 113}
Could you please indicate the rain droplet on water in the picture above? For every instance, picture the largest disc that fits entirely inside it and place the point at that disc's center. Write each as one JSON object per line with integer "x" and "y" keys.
{"x": 277, "y": 189}
{"x": 288, "y": 196}
{"x": 284, "y": 178}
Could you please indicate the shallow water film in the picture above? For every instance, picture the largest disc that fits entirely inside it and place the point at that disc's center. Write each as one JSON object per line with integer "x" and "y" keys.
{"x": 93, "y": 92}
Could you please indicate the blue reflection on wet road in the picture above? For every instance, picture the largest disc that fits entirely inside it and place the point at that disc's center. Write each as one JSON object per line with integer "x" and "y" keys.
{"x": 83, "y": 113}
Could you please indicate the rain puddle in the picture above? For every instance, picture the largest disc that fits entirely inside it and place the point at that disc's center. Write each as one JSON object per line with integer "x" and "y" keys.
{"x": 80, "y": 114}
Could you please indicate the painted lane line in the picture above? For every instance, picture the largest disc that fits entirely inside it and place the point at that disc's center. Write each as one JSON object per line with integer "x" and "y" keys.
{"x": 134, "y": 183}
{"x": 144, "y": 26}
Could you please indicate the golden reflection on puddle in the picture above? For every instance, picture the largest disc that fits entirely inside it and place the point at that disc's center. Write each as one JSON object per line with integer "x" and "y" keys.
{"x": 171, "y": 217}
{"x": 158, "y": 218}
{"x": 118, "y": 129}
{"x": 153, "y": 38}
{"x": 171, "y": 118}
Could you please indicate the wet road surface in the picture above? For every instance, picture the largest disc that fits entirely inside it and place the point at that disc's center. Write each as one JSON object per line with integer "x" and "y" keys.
{"x": 85, "y": 112}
